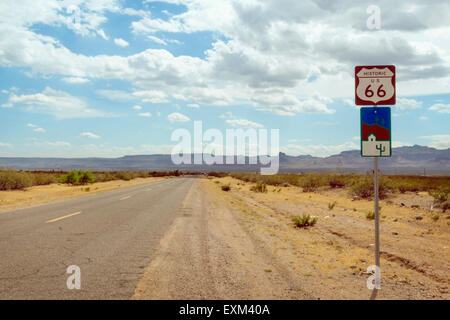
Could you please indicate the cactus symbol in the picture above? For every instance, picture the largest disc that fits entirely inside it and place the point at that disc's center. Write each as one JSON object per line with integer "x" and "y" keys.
{"x": 381, "y": 148}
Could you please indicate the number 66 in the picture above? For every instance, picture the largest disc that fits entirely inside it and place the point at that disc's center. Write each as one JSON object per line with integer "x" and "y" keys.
{"x": 380, "y": 92}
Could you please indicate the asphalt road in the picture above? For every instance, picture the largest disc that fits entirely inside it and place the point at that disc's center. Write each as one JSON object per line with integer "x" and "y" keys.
{"x": 110, "y": 236}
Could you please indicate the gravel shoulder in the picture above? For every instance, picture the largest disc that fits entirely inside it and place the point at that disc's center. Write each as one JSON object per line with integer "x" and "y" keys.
{"x": 208, "y": 255}
{"x": 243, "y": 245}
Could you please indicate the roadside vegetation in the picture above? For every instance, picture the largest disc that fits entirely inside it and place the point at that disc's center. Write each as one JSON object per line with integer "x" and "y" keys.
{"x": 304, "y": 221}
{"x": 359, "y": 185}
{"x": 259, "y": 187}
{"x": 441, "y": 197}
{"x": 11, "y": 179}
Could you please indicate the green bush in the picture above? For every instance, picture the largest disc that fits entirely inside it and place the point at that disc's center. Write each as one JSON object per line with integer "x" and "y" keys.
{"x": 332, "y": 205}
{"x": 310, "y": 183}
{"x": 72, "y": 177}
{"x": 226, "y": 187}
{"x": 104, "y": 176}
{"x": 15, "y": 180}
{"x": 440, "y": 195}
{"x": 365, "y": 188}
{"x": 217, "y": 174}
{"x": 259, "y": 187}
{"x": 123, "y": 175}
{"x": 43, "y": 178}
{"x": 77, "y": 177}
{"x": 404, "y": 187}
{"x": 86, "y": 177}
{"x": 370, "y": 215}
{"x": 304, "y": 221}
{"x": 336, "y": 181}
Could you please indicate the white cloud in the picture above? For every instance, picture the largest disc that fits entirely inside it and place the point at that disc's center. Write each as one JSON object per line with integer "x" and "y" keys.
{"x": 440, "y": 107}
{"x": 136, "y": 107}
{"x": 152, "y": 96}
{"x": 157, "y": 40}
{"x": 145, "y": 114}
{"x": 398, "y": 144}
{"x": 5, "y": 145}
{"x": 423, "y": 118}
{"x": 177, "y": 117}
{"x": 115, "y": 95}
{"x": 59, "y": 104}
{"x": 75, "y": 80}
{"x": 120, "y": 42}
{"x": 243, "y": 123}
{"x": 283, "y": 103}
{"x": 193, "y": 105}
{"x": 268, "y": 46}
{"x": 89, "y": 135}
{"x": 54, "y": 144}
{"x": 103, "y": 35}
{"x": 350, "y": 102}
{"x": 174, "y": 41}
{"x": 226, "y": 115}
{"x": 204, "y": 95}
{"x": 438, "y": 141}
{"x": 82, "y": 17}
{"x": 35, "y": 127}
{"x": 318, "y": 150}
{"x": 407, "y": 104}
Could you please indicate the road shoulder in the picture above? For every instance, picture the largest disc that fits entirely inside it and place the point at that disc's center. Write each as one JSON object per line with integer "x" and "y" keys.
{"x": 37, "y": 195}
{"x": 207, "y": 255}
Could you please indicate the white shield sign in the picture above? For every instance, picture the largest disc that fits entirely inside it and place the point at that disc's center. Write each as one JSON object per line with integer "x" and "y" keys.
{"x": 375, "y": 85}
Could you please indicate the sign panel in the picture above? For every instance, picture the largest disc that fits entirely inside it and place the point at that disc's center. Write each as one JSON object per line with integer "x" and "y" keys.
{"x": 374, "y": 85}
{"x": 376, "y": 132}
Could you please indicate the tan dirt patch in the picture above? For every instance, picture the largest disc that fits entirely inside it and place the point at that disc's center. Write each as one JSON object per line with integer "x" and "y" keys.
{"x": 13, "y": 199}
{"x": 331, "y": 258}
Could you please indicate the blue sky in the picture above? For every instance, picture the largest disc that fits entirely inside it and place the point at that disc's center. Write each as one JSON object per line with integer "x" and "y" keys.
{"x": 113, "y": 78}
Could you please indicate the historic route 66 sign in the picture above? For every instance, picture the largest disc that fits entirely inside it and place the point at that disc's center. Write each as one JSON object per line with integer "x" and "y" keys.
{"x": 374, "y": 85}
{"x": 376, "y": 132}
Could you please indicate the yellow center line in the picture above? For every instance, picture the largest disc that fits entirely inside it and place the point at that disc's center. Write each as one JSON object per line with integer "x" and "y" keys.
{"x": 63, "y": 217}
{"x": 125, "y": 197}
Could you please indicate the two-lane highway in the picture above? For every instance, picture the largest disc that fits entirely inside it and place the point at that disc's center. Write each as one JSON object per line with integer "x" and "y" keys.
{"x": 110, "y": 236}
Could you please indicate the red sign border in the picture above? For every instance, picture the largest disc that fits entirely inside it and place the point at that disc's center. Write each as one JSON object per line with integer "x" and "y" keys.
{"x": 361, "y": 102}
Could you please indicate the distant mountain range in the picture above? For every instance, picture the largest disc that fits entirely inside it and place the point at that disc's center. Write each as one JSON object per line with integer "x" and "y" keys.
{"x": 405, "y": 160}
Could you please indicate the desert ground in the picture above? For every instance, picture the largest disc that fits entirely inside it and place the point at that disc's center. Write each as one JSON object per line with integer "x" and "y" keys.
{"x": 240, "y": 244}
{"x": 243, "y": 245}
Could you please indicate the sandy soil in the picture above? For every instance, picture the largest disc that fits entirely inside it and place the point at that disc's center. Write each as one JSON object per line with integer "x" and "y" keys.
{"x": 332, "y": 257}
{"x": 208, "y": 255}
{"x": 243, "y": 245}
{"x": 13, "y": 199}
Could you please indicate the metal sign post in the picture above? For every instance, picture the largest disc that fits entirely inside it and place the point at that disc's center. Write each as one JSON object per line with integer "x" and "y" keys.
{"x": 375, "y": 85}
{"x": 377, "y": 224}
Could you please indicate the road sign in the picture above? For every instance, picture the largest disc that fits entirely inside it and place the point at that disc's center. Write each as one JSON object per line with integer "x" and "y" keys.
{"x": 376, "y": 132}
{"x": 374, "y": 85}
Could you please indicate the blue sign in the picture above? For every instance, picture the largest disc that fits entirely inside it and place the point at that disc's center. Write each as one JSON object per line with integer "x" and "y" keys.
{"x": 376, "y": 132}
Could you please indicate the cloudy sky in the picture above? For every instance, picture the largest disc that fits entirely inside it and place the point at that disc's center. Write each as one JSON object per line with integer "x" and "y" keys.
{"x": 110, "y": 78}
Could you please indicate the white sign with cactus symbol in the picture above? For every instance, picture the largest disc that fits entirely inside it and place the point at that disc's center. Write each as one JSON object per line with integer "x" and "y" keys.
{"x": 376, "y": 132}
